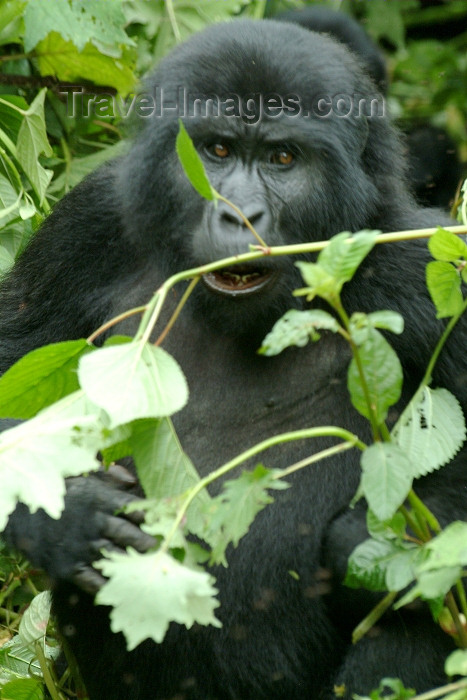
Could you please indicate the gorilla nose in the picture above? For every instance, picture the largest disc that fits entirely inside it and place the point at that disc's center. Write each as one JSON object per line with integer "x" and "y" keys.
{"x": 255, "y": 213}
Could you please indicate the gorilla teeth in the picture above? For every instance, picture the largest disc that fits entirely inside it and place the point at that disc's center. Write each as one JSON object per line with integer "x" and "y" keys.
{"x": 236, "y": 280}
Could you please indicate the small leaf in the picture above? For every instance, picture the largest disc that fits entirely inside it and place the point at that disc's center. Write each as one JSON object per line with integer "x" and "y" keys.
{"x": 230, "y": 514}
{"x": 133, "y": 380}
{"x": 446, "y": 246}
{"x": 148, "y": 591}
{"x": 386, "y": 478}
{"x": 444, "y": 284}
{"x": 192, "y": 164}
{"x": 456, "y": 663}
{"x": 297, "y": 328}
{"x": 345, "y": 252}
{"x": 367, "y": 565}
{"x": 383, "y": 375}
{"x": 320, "y": 282}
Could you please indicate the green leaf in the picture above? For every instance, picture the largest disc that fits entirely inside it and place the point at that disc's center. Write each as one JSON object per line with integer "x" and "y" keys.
{"x": 384, "y": 530}
{"x": 32, "y": 142}
{"x": 61, "y": 58}
{"x": 164, "y": 469}
{"x": 76, "y": 21}
{"x": 387, "y": 320}
{"x": 437, "y": 583}
{"x": 40, "y": 378}
{"x": 320, "y": 282}
{"x": 446, "y": 246}
{"x": 456, "y": 663}
{"x": 161, "y": 586}
{"x": 448, "y": 549}
{"x": 133, "y": 380}
{"x": 383, "y": 376}
{"x": 386, "y": 478}
{"x": 401, "y": 570}
{"x": 360, "y": 324}
{"x": 23, "y": 689}
{"x": 230, "y": 514}
{"x": 345, "y": 252}
{"x": 431, "y": 430}
{"x": 297, "y": 328}
{"x": 36, "y": 456}
{"x": 367, "y": 565}
{"x": 192, "y": 164}
{"x": 444, "y": 284}
{"x": 33, "y": 625}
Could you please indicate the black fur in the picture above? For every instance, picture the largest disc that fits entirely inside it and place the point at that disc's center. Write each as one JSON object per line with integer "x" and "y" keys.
{"x": 110, "y": 243}
{"x": 434, "y": 166}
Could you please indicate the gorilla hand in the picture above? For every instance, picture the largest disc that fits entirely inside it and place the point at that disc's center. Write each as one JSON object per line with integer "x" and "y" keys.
{"x": 92, "y": 520}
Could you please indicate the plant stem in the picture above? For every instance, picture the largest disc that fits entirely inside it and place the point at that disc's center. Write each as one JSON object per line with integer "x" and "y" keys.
{"x": 307, "y": 433}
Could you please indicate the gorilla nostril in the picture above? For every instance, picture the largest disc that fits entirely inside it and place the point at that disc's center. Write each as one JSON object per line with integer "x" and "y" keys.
{"x": 230, "y": 216}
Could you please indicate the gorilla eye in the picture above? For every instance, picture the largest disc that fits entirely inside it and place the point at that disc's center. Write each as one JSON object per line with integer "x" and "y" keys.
{"x": 220, "y": 150}
{"x": 282, "y": 157}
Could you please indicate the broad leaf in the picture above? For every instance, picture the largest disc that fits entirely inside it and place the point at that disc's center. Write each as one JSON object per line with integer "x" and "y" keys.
{"x": 40, "y": 378}
{"x": 133, "y": 380}
{"x": 431, "y": 430}
{"x": 446, "y": 246}
{"x": 383, "y": 376}
{"x": 386, "y": 478}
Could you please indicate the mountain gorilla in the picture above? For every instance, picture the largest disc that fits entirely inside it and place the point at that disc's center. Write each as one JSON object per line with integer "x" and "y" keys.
{"x": 302, "y": 172}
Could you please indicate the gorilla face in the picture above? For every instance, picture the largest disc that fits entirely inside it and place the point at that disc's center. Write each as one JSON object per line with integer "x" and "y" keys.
{"x": 295, "y": 148}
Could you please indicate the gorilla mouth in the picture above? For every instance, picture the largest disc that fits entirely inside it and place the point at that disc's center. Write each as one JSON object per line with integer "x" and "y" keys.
{"x": 236, "y": 280}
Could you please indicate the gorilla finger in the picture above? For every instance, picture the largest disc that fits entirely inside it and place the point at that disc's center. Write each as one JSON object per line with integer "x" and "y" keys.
{"x": 88, "y": 579}
{"x": 97, "y": 546}
{"x": 125, "y": 534}
{"x": 119, "y": 475}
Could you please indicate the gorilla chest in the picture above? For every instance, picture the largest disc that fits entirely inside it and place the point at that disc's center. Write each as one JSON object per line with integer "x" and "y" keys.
{"x": 238, "y": 398}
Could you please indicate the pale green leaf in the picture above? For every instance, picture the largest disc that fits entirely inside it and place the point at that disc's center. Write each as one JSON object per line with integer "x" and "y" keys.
{"x": 76, "y": 21}
{"x": 33, "y": 625}
{"x": 297, "y": 328}
{"x": 133, "y": 380}
{"x": 456, "y": 663}
{"x": 345, "y": 252}
{"x": 230, "y": 514}
{"x": 431, "y": 430}
{"x": 148, "y": 591}
{"x": 37, "y": 455}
